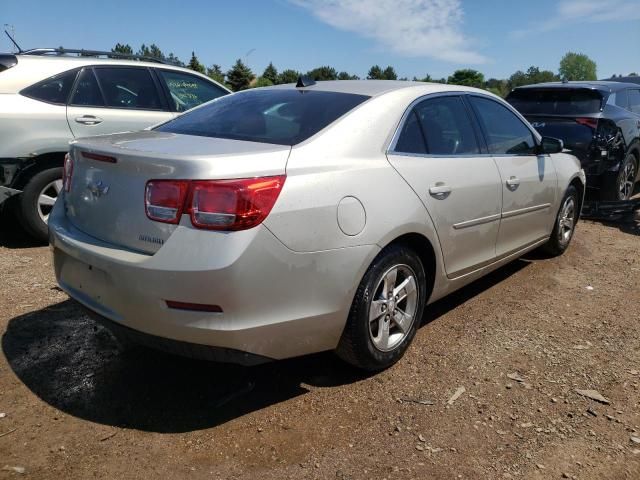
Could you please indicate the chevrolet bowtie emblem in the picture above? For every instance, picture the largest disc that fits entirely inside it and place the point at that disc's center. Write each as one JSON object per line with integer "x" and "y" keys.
{"x": 98, "y": 188}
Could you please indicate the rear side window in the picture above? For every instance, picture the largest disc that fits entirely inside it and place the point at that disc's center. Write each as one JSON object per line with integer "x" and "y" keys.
{"x": 86, "y": 91}
{"x": 506, "y": 133}
{"x": 622, "y": 99}
{"x": 556, "y": 101}
{"x": 52, "y": 90}
{"x": 278, "y": 116}
{"x": 188, "y": 91}
{"x": 411, "y": 139}
{"x": 634, "y": 101}
{"x": 129, "y": 88}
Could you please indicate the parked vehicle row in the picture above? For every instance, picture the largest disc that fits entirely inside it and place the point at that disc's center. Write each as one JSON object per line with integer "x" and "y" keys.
{"x": 294, "y": 219}
{"x": 599, "y": 122}
{"x": 48, "y": 98}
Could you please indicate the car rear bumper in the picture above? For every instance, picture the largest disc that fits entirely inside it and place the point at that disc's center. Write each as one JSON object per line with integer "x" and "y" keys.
{"x": 275, "y": 303}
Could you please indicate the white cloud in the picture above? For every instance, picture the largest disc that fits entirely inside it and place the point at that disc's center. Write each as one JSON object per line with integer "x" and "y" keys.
{"x": 585, "y": 11}
{"x": 413, "y": 28}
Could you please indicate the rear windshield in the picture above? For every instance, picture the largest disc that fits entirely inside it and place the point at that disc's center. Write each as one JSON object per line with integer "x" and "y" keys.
{"x": 557, "y": 101}
{"x": 283, "y": 117}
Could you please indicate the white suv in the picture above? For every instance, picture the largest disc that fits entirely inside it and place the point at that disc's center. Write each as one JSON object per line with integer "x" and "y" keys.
{"x": 49, "y": 97}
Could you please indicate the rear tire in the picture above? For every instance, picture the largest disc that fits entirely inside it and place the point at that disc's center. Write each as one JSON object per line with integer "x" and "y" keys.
{"x": 381, "y": 326}
{"x": 35, "y": 202}
{"x": 621, "y": 186}
{"x": 565, "y": 224}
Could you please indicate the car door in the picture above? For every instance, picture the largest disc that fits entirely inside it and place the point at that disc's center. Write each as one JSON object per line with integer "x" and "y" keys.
{"x": 529, "y": 182}
{"x": 108, "y": 99}
{"x": 438, "y": 153}
{"x": 186, "y": 91}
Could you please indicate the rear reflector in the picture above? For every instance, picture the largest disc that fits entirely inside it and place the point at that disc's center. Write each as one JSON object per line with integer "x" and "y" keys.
{"x": 164, "y": 200}
{"x": 195, "y": 307}
{"x": 588, "y": 122}
{"x": 213, "y": 204}
{"x": 99, "y": 158}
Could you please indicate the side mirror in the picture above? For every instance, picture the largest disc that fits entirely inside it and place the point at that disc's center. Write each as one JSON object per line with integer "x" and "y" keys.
{"x": 551, "y": 145}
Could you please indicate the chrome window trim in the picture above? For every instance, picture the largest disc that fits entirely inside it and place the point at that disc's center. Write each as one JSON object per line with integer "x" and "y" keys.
{"x": 391, "y": 148}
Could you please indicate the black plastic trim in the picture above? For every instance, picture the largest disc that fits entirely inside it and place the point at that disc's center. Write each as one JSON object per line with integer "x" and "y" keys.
{"x": 185, "y": 349}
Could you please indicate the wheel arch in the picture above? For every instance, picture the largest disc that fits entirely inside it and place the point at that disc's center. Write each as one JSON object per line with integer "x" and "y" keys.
{"x": 423, "y": 247}
{"x": 580, "y": 186}
{"x": 35, "y": 165}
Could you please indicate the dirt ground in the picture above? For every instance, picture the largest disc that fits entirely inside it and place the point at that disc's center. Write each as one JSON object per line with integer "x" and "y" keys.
{"x": 520, "y": 342}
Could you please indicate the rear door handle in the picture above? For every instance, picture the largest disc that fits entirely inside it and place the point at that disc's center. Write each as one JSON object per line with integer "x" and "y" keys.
{"x": 439, "y": 191}
{"x": 513, "y": 183}
{"x": 88, "y": 120}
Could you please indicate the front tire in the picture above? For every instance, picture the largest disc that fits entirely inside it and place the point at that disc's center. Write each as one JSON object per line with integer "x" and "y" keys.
{"x": 36, "y": 202}
{"x": 386, "y": 311}
{"x": 565, "y": 223}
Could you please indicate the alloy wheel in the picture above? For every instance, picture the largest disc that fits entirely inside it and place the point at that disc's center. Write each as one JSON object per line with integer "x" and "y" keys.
{"x": 626, "y": 181}
{"x": 567, "y": 220}
{"x": 47, "y": 198}
{"x": 393, "y": 308}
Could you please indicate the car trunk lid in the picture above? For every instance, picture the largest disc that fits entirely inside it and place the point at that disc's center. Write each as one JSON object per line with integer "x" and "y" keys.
{"x": 107, "y": 190}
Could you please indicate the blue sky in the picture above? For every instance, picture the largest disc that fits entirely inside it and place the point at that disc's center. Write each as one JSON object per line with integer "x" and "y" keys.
{"x": 416, "y": 37}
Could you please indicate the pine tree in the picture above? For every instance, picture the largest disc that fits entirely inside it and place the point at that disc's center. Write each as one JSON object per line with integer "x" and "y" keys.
{"x": 375, "y": 73}
{"x": 194, "y": 64}
{"x": 389, "y": 73}
{"x": 215, "y": 72}
{"x": 122, "y": 48}
{"x": 288, "y": 76}
{"x": 271, "y": 73}
{"x": 239, "y": 76}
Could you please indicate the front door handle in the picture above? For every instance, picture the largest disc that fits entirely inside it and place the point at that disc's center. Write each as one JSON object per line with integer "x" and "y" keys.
{"x": 513, "y": 183}
{"x": 439, "y": 191}
{"x": 88, "y": 120}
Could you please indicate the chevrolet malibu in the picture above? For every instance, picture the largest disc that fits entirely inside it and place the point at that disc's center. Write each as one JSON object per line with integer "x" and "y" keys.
{"x": 294, "y": 219}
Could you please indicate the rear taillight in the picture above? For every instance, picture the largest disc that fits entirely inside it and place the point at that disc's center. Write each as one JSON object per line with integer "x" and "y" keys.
{"x": 67, "y": 172}
{"x": 214, "y": 204}
{"x": 588, "y": 122}
{"x": 233, "y": 204}
{"x": 164, "y": 199}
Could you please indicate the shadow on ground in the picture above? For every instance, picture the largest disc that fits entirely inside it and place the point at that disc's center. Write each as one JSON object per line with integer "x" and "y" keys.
{"x": 76, "y": 366}
{"x": 12, "y": 235}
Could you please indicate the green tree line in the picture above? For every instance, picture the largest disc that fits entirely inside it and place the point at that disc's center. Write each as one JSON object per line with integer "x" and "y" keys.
{"x": 573, "y": 66}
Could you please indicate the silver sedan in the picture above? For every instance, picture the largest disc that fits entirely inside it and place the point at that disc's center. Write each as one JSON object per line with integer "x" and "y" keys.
{"x": 288, "y": 220}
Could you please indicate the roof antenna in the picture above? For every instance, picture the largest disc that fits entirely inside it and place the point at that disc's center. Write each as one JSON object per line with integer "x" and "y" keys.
{"x": 304, "y": 81}
{"x": 14, "y": 42}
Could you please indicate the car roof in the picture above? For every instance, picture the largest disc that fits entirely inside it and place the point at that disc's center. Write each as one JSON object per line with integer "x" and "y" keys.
{"x": 631, "y": 81}
{"x": 374, "y": 88}
{"x": 34, "y": 68}
{"x": 90, "y": 60}
{"x": 600, "y": 85}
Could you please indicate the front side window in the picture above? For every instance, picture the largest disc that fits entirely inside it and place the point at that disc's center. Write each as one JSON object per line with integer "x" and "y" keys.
{"x": 278, "y": 116}
{"x": 52, "y": 90}
{"x": 131, "y": 88}
{"x": 634, "y": 101}
{"x": 447, "y": 127}
{"x": 506, "y": 133}
{"x": 188, "y": 91}
{"x": 87, "y": 92}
